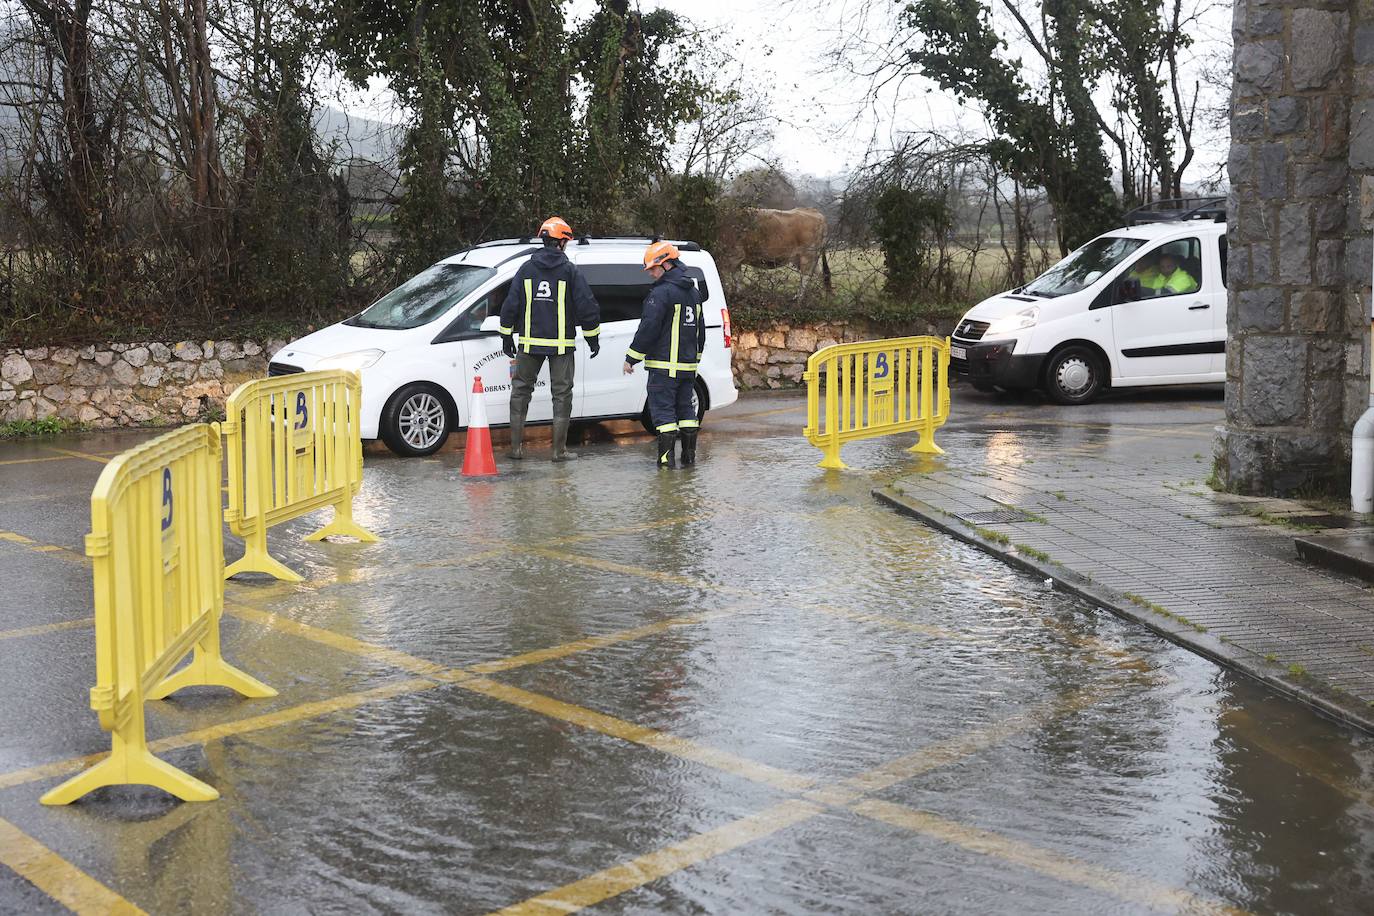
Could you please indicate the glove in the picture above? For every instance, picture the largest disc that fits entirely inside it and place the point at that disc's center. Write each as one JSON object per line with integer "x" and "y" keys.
{"x": 508, "y": 345}
{"x": 594, "y": 344}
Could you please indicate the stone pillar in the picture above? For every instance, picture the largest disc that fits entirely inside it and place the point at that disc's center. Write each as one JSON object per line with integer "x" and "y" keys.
{"x": 1299, "y": 256}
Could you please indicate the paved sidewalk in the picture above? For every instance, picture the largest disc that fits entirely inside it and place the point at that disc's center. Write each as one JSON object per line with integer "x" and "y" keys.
{"x": 1118, "y": 510}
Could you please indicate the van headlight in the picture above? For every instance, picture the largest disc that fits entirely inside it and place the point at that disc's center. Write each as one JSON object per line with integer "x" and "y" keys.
{"x": 1026, "y": 318}
{"x": 358, "y": 359}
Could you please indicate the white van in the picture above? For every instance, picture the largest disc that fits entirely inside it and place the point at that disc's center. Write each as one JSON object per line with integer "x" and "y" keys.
{"x": 1106, "y": 316}
{"x": 420, "y": 346}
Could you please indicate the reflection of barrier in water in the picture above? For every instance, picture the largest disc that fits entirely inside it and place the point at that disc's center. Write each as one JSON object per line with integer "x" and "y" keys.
{"x": 877, "y": 388}
{"x": 294, "y": 446}
{"x": 157, "y": 556}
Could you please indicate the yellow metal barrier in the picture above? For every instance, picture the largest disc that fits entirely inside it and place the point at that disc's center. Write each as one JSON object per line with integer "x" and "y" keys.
{"x": 294, "y": 446}
{"x": 875, "y": 388}
{"x": 157, "y": 550}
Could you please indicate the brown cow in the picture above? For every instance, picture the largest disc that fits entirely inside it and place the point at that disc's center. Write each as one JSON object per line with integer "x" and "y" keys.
{"x": 778, "y": 238}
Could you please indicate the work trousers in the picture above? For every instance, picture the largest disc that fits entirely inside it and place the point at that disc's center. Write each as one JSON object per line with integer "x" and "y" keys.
{"x": 527, "y": 367}
{"x": 670, "y": 401}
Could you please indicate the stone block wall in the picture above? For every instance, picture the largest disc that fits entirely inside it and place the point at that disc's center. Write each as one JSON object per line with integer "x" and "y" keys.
{"x": 128, "y": 384}
{"x": 774, "y": 356}
{"x": 160, "y": 384}
{"x": 1302, "y": 198}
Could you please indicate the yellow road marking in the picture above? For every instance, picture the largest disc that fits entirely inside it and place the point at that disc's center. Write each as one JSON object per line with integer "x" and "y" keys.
{"x": 73, "y": 453}
{"x": 943, "y": 753}
{"x": 591, "y": 642}
{"x": 1131, "y": 888}
{"x": 637, "y": 872}
{"x": 639, "y": 734}
{"x": 895, "y": 623}
{"x": 848, "y": 795}
{"x": 56, "y": 877}
{"x": 29, "y": 544}
{"x": 312, "y": 710}
{"x": 42, "y": 628}
{"x": 628, "y": 529}
{"x": 435, "y": 676}
{"x": 627, "y": 570}
{"x": 394, "y": 657}
{"x": 36, "y": 460}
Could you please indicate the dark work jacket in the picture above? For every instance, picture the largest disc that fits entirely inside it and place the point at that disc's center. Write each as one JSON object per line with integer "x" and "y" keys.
{"x": 672, "y": 332}
{"x": 547, "y": 301}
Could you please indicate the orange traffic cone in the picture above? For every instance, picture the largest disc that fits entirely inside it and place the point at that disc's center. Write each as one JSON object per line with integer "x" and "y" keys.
{"x": 478, "y": 458}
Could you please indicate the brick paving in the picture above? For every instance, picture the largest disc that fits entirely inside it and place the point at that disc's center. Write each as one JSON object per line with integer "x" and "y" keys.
{"x": 1123, "y": 503}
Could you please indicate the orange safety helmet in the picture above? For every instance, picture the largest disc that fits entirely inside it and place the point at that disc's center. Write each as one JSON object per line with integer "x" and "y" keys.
{"x": 555, "y": 227}
{"x": 658, "y": 252}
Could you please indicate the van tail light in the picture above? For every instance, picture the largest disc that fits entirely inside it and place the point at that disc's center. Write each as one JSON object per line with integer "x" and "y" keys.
{"x": 725, "y": 325}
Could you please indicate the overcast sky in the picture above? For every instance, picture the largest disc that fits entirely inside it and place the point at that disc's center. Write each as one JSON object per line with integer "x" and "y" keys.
{"x": 829, "y": 122}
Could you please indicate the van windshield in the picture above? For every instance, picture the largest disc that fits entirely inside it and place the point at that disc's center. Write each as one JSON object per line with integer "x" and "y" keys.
{"x": 1083, "y": 267}
{"x": 423, "y": 298}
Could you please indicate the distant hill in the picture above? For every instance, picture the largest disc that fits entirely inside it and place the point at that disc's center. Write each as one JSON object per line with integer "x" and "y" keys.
{"x": 357, "y": 137}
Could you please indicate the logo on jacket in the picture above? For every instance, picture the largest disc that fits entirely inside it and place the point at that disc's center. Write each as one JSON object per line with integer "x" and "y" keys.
{"x": 545, "y": 291}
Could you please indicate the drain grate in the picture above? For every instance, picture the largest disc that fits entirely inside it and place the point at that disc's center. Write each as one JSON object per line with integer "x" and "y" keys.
{"x": 996, "y": 516}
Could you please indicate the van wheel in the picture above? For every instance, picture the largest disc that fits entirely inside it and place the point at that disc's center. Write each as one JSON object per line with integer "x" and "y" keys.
{"x": 1074, "y": 375}
{"x": 699, "y": 401}
{"x": 417, "y": 420}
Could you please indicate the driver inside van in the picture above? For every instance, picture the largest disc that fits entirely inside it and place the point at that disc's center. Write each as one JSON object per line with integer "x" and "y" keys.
{"x": 1172, "y": 279}
{"x": 1162, "y": 275}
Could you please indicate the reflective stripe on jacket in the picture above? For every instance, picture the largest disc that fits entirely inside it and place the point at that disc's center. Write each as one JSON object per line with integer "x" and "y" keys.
{"x": 548, "y": 299}
{"x": 1178, "y": 282}
{"x": 672, "y": 332}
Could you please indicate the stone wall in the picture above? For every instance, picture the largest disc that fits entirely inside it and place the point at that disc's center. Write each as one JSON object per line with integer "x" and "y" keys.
{"x": 1302, "y": 195}
{"x": 127, "y": 384}
{"x": 165, "y": 384}
{"x": 774, "y": 356}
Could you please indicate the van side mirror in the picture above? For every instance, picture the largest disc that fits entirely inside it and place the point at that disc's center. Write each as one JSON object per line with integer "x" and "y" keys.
{"x": 1128, "y": 290}
{"x": 491, "y": 324}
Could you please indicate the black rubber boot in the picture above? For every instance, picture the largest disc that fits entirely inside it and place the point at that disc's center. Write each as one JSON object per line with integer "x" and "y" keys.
{"x": 689, "y": 448}
{"x": 560, "y": 440}
{"x": 517, "y": 437}
{"x": 667, "y": 445}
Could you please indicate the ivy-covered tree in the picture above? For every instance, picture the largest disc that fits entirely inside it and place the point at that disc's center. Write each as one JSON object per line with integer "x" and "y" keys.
{"x": 515, "y": 113}
{"x": 1047, "y": 136}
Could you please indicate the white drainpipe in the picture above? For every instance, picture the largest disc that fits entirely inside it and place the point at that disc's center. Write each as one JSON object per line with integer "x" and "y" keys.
{"x": 1362, "y": 446}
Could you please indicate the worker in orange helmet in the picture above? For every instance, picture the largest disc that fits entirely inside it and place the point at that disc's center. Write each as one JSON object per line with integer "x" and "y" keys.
{"x": 669, "y": 342}
{"x": 548, "y": 299}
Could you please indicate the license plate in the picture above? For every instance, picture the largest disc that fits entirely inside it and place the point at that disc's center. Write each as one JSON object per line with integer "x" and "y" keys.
{"x": 958, "y": 353}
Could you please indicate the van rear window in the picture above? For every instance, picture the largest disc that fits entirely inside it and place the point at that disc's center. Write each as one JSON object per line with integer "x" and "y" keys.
{"x": 620, "y": 288}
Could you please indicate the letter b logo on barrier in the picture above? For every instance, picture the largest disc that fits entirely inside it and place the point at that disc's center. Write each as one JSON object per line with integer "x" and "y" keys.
{"x": 166, "y": 498}
{"x": 302, "y": 411}
{"x": 881, "y": 367}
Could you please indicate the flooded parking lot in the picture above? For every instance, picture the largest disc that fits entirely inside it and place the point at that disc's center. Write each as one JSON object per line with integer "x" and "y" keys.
{"x": 747, "y": 687}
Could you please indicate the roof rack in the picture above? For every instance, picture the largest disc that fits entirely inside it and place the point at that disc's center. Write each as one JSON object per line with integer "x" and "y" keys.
{"x": 682, "y": 245}
{"x": 1174, "y": 209}
{"x": 589, "y": 239}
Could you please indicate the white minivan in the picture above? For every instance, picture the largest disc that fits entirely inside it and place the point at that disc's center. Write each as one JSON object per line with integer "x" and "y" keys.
{"x": 1107, "y": 315}
{"x": 420, "y": 346}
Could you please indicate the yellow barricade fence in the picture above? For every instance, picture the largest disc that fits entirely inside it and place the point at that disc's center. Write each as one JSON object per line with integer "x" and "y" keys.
{"x": 876, "y": 388}
{"x": 157, "y": 549}
{"x": 294, "y": 446}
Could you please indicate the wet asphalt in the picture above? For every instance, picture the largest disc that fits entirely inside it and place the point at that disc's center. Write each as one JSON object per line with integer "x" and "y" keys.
{"x": 742, "y": 688}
